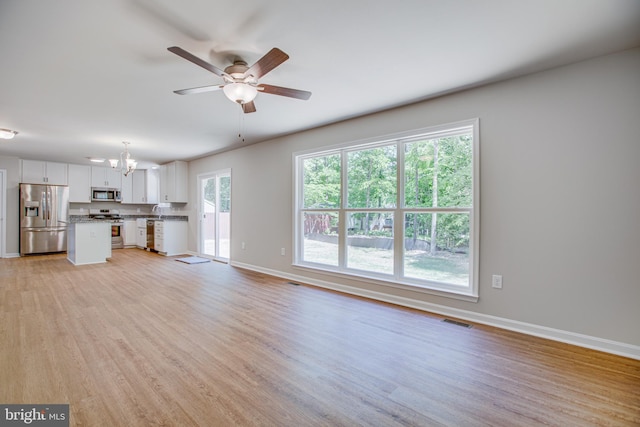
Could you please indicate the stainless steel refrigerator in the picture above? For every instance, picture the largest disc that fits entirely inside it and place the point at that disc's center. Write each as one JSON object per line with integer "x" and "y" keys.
{"x": 44, "y": 212}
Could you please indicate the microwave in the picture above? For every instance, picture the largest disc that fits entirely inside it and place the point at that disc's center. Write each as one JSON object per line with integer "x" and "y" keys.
{"x": 105, "y": 195}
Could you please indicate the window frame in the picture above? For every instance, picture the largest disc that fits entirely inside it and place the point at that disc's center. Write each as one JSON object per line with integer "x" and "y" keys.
{"x": 397, "y": 279}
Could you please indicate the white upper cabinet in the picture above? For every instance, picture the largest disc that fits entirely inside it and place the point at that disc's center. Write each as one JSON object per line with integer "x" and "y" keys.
{"x": 140, "y": 187}
{"x": 80, "y": 184}
{"x": 173, "y": 182}
{"x": 39, "y": 172}
{"x": 152, "y": 185}
{"x": 127, "y": 188}
{"x": 106, "y": 177}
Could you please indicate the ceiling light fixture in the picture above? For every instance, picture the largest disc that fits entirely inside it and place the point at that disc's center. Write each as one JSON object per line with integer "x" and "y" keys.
{"x": 95, "y": 160}
{"x": 7, "y": 133}
{"x": 242, "y": 93}
{"x": 127, "y": 164}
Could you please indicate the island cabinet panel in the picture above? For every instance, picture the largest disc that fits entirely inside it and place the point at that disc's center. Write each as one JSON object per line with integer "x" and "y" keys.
{"x": 89, "y": 242}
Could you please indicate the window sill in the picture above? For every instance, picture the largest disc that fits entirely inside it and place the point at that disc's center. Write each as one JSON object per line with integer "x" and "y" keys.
{"x": 464, "y": 295}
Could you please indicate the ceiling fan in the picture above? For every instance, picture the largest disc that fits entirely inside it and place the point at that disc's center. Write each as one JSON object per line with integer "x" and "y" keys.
{"x": 240, "y": 81}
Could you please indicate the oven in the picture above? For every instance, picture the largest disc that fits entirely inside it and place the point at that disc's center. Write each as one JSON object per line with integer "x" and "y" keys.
{"x": 112, "y": 216}
{"x": 117, "y": 237}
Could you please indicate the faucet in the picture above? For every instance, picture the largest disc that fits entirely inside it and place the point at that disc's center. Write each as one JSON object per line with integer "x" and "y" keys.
{"x": 157, "y": 208}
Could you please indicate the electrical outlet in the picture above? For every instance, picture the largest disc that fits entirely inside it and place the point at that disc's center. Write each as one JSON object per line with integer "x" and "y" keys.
{"x": 282, "y": 251}
{"x": 496, "y": 281}
{"x": 243, "y": 246}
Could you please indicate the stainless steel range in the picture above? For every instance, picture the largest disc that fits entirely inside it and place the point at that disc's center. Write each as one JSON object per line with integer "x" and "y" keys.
{"x": 117, "y": 224}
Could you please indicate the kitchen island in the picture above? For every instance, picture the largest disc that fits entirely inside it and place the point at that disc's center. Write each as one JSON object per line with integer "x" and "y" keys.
{"x": 88, "y": 242}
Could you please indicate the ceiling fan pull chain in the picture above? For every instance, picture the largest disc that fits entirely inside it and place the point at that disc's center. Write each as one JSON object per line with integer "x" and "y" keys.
{"x": 240, "y": 123}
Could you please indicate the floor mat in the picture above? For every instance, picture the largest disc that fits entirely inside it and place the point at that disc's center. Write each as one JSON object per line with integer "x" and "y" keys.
{"x": 193, "y": 260}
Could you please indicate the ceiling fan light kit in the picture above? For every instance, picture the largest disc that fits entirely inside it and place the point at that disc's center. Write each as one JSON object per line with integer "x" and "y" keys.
{"x": 7, "y": 133}
{"x": 242, "y": 93}
{"x": 240, "y": 81}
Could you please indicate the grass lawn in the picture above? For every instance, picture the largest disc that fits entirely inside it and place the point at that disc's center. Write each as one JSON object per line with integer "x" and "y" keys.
{"x": 443, "y": 267}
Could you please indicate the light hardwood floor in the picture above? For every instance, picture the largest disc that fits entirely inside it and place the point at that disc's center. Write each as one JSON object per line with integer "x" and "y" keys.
{"x": 145, "y": 340}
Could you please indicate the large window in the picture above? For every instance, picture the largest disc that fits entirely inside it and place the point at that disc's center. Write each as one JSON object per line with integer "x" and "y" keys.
{"x": 402, "y": 210}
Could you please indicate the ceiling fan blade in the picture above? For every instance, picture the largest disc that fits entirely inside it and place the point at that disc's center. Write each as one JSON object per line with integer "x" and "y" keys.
{"x": 271, "y": 60}
{"x": 285, "y": 91}
{"x": 192, "y": 58}
{"x": 198, "y": 89}
{"x": 249, "y": 107}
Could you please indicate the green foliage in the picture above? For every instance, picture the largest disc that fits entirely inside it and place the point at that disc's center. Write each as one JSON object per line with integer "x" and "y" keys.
{"x": 371, "y": 176}
{"x": 322, "y": 182}
{"x": 225, "y": 192}
{"x": 452, "y": 167}
{"x": 437, "y": 173}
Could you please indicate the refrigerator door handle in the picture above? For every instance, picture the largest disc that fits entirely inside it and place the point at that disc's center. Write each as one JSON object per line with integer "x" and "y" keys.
{"x": 43, "y": 206}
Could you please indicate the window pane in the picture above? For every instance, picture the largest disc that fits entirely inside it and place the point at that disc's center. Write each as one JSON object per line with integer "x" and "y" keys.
{"x": 437, "y": 172}
{"x": 320, "y": 243}
{"x": 372, "y": 178}
{"x": 321, "y": 185}
{"x": 370, "y": 241}
{"x": 446, "y": 261}
{"x": 225, "y": 193}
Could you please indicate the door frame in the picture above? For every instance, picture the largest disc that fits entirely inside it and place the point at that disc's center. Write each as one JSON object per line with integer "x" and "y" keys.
{"x": 200, "y": 178}
{"x": 3, "y": 213}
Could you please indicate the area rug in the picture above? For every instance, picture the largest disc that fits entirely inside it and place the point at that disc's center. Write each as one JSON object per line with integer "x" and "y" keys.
{"x": 193, "y": 260}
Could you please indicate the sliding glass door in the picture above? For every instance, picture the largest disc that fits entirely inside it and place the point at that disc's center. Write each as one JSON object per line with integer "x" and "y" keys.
{"x": 215, "y": 214}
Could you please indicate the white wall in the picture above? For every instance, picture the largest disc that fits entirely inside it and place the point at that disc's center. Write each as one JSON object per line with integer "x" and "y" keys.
{"x": 560, "y": 198}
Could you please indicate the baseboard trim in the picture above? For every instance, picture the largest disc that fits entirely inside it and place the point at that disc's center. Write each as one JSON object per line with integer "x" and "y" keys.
{"x": 581, "y": 340}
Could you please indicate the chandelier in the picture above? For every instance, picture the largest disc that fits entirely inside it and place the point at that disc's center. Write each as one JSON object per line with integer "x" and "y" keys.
{"x": 127, "y": 164}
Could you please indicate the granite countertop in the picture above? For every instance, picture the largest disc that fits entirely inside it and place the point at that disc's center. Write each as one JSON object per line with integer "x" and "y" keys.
{"x": 73, "y": 219}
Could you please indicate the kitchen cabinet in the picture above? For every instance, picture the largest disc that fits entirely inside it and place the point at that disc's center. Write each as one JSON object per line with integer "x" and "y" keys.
{"x": 130, "y": 233}
{"x": 40, "y": 172}
{"x": 173, "y": 182}
{"x": 141, "y": 187}
{"x": 89, "y": 242}
{"x": 170, "y": 237}
{"x": 103, "y": 177}
{"x": 141, "y": 233}
{"x": 79, "y": 184}
{"x": 126, "y": 189}
{"x": 152, "y": 186}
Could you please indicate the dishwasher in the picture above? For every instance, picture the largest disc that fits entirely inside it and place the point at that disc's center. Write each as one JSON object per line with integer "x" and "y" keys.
{"x": 150, "y": 235}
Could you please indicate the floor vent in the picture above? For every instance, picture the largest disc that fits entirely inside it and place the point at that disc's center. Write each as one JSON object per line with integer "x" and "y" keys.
{"x": 455, "y": 322}
{"x": 294, "y": 283}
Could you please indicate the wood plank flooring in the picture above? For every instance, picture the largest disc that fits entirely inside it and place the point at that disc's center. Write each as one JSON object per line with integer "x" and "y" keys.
{"x": 144, "y": 340}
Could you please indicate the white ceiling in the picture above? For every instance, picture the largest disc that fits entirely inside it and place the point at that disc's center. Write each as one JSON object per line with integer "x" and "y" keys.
{"x": 79, "y": 77}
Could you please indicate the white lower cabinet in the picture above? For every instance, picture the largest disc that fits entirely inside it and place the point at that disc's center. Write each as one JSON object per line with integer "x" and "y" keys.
{"x": 170, "y": 237}
{"x": 130, "y": 233}
{"x": 141, "y": 233}
{"x": 89, "y": 242}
